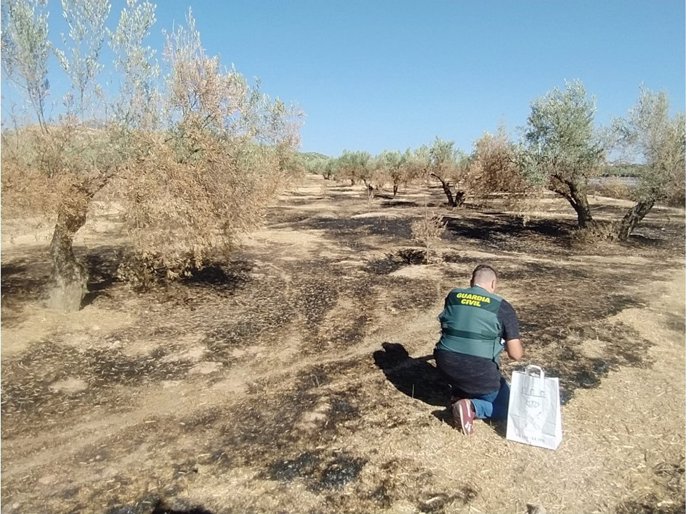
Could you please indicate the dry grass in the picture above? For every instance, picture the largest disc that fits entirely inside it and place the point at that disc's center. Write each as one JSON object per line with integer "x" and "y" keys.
{"x": 265, "y": 385}
{"x": 428, "y": 231}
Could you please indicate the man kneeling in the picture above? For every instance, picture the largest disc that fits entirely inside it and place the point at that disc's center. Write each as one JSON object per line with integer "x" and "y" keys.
{"x": 476, "y": 325}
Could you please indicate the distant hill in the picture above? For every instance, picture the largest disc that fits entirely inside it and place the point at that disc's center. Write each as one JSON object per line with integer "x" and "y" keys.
{"x": 314, "y": 156}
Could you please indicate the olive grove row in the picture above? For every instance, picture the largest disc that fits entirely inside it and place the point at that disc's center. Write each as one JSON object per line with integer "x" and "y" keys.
{"x": 560, "y": 150}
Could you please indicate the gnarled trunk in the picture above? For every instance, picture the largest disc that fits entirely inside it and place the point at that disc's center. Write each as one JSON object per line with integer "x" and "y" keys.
{"x": 633, "y": 218}
{"x": 69, "y": 276}
{"x": 449, "y": 193}
{"x": 453, "y": 201}
{"x": 577, "y": 198}
{"x": 584, "y": 216}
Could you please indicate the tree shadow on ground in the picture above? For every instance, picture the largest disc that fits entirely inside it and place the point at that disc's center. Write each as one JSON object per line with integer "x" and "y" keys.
{"x": 101, "y": 265}
{"x": 220, "y": 276}
{"x": 503, "y": 224}
{"x": 365, "y": 226}
{"x": 414, "y": 377}
{"x": 399, "y": 204}
{"x": 23, "y": 280}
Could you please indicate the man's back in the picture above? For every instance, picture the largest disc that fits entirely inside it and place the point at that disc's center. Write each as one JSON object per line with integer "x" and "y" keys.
{"x": 474, "y": 323}
{"x": 470, "y": 322}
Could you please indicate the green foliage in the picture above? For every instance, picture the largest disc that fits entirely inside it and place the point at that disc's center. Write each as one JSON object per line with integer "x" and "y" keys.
{"x": 659, "y": 139}
{"x": 445, "y": 162}
{"x": 650, "y": 133}
{"x": 353, "y": 166}
{"x": 562, "y": 147}
{"x": 87, "y": 32}
{"x": 318, "y": 164}
{"x": 313, "y": 156}
{"x": 25, "y": 50}
{"x": 449, "y": 166}
{"x": 393, "y": 167}
{"x": 136, "y": 106}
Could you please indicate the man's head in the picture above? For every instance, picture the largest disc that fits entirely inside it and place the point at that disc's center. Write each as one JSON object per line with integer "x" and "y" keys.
{"x": 484, "y": 276}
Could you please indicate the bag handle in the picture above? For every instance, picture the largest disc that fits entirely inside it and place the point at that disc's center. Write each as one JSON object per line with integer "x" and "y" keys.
{"x": 531, "y": 367}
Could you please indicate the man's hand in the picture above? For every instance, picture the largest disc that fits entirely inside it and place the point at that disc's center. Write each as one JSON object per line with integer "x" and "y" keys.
{"x": 514, "y": 349}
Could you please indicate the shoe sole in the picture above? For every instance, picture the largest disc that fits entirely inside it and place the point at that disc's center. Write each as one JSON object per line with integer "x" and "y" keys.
{"x": 458, "y": 415}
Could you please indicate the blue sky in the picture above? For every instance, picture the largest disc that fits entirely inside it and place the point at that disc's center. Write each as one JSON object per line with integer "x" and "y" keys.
{"x": 384, "y": 74}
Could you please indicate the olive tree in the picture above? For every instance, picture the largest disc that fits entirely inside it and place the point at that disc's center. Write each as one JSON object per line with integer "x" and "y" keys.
{"x": 397, "y": 167}
{"x": 354, "y": 166}
{"x": 495, "y": 172}
{"x": 317, "y": 164}
{"x": 225, "y": 152}
{"x": 659, "y": 139}
{"x": 68, "y": 164}
{"x": 449, "y": 166}
{"x": 192, "y": 164}
{"x": 325, "y": 167}
{"x": 495, "y": 166}
{"x": 562, "y": 147}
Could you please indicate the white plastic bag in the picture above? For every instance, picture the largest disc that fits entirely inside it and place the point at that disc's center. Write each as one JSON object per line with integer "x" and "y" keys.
{"x": 534, "y": 409}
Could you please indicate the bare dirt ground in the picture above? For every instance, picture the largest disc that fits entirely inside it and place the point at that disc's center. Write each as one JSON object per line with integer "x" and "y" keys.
{"x": 291, "y": 378}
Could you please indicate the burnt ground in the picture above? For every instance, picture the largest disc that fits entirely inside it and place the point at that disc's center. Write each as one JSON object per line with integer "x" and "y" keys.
{"x": 297, "y": 377}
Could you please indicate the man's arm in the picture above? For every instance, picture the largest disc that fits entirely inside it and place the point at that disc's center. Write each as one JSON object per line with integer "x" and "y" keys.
{"x": 514, "y": 349}
{"x": 511, "y": 331}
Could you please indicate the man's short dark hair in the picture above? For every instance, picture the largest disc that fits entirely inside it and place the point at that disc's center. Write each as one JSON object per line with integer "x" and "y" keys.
{"x": 483, "y": 273}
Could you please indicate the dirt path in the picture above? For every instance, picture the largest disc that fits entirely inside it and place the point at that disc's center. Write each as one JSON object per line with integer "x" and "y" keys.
{"x": 290, "y": 380}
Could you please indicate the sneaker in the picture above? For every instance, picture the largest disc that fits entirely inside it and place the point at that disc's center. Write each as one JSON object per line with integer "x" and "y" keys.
{"x": 463, "y": 416}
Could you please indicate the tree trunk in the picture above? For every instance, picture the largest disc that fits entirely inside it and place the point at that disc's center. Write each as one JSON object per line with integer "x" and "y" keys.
{"x": 69, "y": 276}
{"x": 584, "y": 217}
{"x": 578, "y": 200}
{"x": 449, "y": 193}
{"x": 395, "y": 189}
{"x": 633, "y": 218}
{"x": 370, "y": 191}
{"x": 453, "y": 201}
{"x": 581, "y": 206}
{"x": 576, "y": 195}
